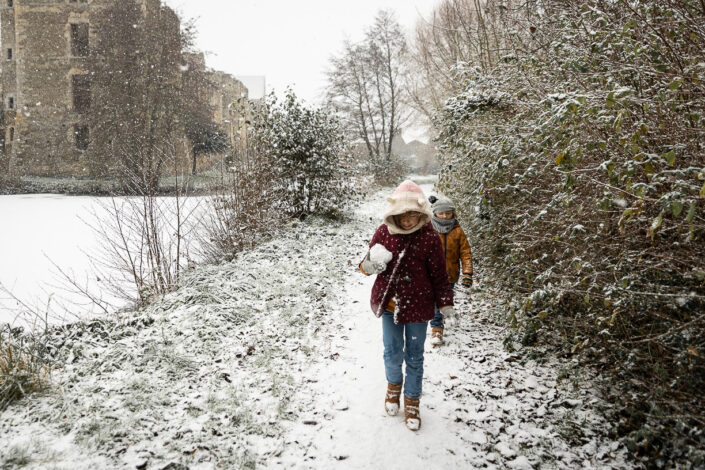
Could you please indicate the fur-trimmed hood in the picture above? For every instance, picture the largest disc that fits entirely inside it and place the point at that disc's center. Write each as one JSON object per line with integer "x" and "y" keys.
{"x": 408, "y": 197}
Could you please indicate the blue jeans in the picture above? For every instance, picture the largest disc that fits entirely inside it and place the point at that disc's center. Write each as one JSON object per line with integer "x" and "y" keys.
{"x": 437, "y": 321}
{"x": 404, "y": 343}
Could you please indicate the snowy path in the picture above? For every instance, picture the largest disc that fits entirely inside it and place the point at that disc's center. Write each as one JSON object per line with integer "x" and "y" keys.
{"x": 274, "y": 361}
{"x": 481, "y": 406}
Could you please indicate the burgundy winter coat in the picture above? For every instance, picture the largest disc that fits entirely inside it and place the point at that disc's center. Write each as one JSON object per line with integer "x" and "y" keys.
{"x": 420, "y": 281}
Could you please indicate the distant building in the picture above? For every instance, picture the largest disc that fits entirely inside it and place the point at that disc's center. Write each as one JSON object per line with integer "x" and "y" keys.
{"x": 420, "y": 157}
{"x": 229, "y": 101}
{"x": 45, "y": 88}
{"x": 46, "y": 91}
{"x": 230, "y": 106}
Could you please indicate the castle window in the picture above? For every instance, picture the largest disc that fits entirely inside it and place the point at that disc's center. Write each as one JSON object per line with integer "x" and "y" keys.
{"x": 12, "y": 134}
{"x": 82, "y": 136}
{"x": 79, "y": 40}
{"x": 9, "y": 53}
{"x": 10, "y": 3}
{"x": 10, "y": 103}
{"x": 81, "y": 88}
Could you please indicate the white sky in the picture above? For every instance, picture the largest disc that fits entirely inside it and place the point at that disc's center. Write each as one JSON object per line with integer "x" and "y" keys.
{"x": 287, "y": 41}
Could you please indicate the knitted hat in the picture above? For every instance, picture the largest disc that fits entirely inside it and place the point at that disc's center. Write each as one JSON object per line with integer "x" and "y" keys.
{"x": 408, "y": 197}
{"x": 442, "y": 204}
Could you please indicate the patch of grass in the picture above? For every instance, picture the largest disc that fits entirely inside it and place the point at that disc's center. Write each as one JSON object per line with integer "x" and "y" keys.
{"x": 571, "y": 374}
{"x": 94, "y": 433}
{"x": 33, "y": 453}
{"x": 571, "y": 429}
{"x": 23, "y": 367}
{"x": 15, "y": 457}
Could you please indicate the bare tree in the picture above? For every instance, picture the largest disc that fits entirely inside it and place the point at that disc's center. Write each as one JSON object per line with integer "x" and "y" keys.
{"x": 458, "y": 34}
{"x": 144, "y": 242}
{"x": 365, "y": 86}
{"x": 244, "y": 198}
{"x": 136, "y": 104}
{"x": 204, "y": 135}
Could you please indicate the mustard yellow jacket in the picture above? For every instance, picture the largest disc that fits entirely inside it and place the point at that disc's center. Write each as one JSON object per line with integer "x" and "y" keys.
{"x": 457, "y": 250}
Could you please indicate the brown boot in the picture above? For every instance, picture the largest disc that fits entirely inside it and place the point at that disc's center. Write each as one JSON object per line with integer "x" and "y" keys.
{"x": 436, "y": 336}
{"x": 412, "y": 418}
{"x": 391, "y": 399}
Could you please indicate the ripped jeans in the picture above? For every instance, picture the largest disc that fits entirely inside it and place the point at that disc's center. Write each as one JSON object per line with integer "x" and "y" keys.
{"x": 404, "y": 343}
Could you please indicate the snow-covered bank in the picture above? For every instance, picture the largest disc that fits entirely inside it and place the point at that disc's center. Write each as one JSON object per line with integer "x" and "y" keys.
{"x": 208, "y": 376}
{"x": 274, "y": 360}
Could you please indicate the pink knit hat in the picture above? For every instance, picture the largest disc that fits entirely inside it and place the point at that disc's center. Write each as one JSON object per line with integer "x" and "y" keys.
{"x": 408, "y": 197}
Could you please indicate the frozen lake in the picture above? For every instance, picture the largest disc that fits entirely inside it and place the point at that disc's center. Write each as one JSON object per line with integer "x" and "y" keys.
{"x": 40, "y": 231}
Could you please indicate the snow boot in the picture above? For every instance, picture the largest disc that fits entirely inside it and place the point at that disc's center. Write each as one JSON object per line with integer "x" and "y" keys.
{"x": 412, "y": 418}
{"x": 391, "y": 399}
{"x": 436, "y": 336}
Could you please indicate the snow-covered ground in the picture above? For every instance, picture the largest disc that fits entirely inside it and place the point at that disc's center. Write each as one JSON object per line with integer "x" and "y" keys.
{"x": 40, "y": 233}
{"x": 274, "y": 360}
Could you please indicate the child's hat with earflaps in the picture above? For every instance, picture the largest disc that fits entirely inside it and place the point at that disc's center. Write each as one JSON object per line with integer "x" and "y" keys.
{"x": 408, "y": 197}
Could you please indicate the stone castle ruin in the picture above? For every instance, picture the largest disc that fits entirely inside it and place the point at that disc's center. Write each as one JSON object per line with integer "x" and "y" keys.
{"x": 46, "y": 90}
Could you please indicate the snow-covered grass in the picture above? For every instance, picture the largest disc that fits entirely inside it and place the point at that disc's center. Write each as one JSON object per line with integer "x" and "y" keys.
{"x": 203, "y": 183}
{"x": 274, "y": 360}
{"x": 205, "y": 374}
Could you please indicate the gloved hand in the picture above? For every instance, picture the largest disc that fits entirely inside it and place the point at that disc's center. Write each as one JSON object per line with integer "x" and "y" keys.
{"x": 377, "y": 259}
{"x": 448, "y": 313}
{"x": 373, "y": 267}
{"x": 467, "y": 280}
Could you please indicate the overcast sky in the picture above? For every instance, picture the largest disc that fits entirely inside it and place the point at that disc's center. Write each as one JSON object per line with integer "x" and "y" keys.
{"x": 287, "y": 41}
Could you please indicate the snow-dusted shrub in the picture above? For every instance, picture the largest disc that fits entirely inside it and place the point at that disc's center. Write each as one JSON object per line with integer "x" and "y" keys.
{"x": 387, "y": 171}
{"x": 296, "y": 163}
{"x": 10, "y": 184}
{"x": 245, "y": 209}
{"x": 143, "y": 244}
{"x": 579, "y": 167}
{"x": 308, "y": 152}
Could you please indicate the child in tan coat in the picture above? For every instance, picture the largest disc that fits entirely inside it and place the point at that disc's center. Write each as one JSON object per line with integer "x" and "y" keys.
{"x": 457, "y": 251}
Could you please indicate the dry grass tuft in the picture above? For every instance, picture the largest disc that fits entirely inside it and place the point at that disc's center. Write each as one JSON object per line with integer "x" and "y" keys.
{"x": 23, "y": 367}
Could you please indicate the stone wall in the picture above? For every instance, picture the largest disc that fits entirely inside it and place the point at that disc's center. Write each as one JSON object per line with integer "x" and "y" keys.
{"x": 230, "y": 107}
{"x": 228, "y": 100}
{"x": 41, "y": 122}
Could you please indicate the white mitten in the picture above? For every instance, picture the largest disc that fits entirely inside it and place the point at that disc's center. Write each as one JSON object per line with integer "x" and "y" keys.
{"x": 380, "y": 254}
{"x": 449, "y": 314}
{"x": 376, "y": 260}
{"x": 370, "y": 267}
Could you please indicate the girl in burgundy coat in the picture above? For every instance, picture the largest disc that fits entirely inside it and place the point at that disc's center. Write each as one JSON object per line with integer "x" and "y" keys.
{"x": 407, "y": 256}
